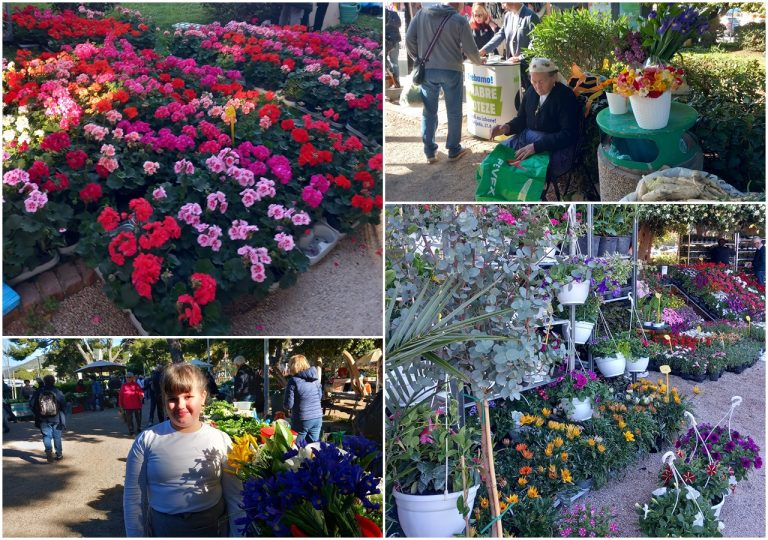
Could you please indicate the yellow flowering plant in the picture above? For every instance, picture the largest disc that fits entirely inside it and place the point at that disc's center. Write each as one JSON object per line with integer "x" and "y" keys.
{"x": 651, "y": 81}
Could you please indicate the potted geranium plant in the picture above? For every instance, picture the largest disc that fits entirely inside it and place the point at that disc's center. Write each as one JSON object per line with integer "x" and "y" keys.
{"x": 642, "y": 349}
{"x": 420, "y": 449}
{"x": 576, "y": 391}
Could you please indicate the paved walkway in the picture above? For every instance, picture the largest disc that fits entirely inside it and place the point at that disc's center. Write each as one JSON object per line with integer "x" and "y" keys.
{"x": 80, "y": 495}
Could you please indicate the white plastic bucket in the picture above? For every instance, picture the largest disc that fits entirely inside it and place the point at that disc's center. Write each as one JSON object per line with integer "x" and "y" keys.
{"x": 652, "y": 113}
{"x": 432, "y": 516}
{"x": 617, "y": 104}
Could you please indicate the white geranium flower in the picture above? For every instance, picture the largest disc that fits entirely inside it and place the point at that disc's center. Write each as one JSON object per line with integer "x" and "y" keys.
{"x": 720, "y": 526}
{"x": 659, "y": 492}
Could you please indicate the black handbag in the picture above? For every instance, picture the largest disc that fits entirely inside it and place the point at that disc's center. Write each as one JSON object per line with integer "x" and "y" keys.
{"x": 420, "y": 68}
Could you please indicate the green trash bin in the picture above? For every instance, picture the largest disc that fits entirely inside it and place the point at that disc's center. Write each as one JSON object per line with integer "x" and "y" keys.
{"x": 348, "y": 13}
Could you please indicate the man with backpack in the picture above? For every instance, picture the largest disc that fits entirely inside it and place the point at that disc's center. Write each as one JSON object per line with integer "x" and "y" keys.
{"x": 48, "y": 404}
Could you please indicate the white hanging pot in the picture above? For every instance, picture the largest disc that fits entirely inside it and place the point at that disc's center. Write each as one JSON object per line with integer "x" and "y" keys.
{"x": 637, "y": 365}
{"x": 578, "y": 410}
{"x": 719, "y": 507}
{"x": 432, "y": 516}
{"x": 612, "y": 366}
{"x": 574, "y": 293}
{"x": 582, "y": 331}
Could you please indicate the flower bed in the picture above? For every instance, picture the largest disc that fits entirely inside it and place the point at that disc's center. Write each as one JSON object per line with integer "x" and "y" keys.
{"x": 723, "y": 293}
{"x": 188, "y": 188}
{"x": 329, "y": 72}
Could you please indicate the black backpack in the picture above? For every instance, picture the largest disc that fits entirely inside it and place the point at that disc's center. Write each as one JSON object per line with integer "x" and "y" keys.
{"x": 47, "y": 404}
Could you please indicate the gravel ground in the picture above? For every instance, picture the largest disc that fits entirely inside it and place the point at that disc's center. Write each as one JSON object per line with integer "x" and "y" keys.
{"x": 744, "y": 512}
{"x": 82, "y": 495}
{"x": 339, "y": 296}
{"x": 411, "y": 179}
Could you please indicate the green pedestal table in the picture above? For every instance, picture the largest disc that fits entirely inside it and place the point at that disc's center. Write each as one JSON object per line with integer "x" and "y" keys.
{"x": 656, "y": 147}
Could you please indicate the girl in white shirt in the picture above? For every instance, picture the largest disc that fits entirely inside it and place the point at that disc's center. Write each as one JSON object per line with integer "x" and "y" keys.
{"x": 175, "y": 479}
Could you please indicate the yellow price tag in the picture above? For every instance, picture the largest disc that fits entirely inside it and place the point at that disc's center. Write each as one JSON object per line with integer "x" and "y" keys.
{"x": 657, "y": 295}
{"x": 229, "y": 113}
{"x": 748, "y": 318}
{"x": 666, "y": 370}
{"x": 667, "y": 337}
{"x": 698, "y": 329}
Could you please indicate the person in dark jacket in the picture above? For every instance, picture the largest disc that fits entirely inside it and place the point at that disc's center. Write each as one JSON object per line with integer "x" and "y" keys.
{"x": 721, "y": 254}
{"x": 515, "y": 32}
{"x": 248, "y": 385}
{"x": 302, "y": 398}
{"x": 548, "y": 118}
{"x": 758, "y": 261}
{"x": 443, "y": 69}
{"x": 482, "y": 25}
{"x": 392, "y": 24}
{"x": 50, "y": 426}
{"x": 156, "y": 395}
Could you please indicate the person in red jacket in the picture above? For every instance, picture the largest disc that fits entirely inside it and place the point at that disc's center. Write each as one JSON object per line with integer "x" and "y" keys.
{"x": 129, "y": 401}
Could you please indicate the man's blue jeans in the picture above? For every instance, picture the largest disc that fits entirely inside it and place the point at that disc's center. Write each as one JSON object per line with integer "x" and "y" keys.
{"x": 51, "y": 431}
{"x": 307, "y": 429}
{"x": 760, "y": 275}
{"x": 451, "y": 83}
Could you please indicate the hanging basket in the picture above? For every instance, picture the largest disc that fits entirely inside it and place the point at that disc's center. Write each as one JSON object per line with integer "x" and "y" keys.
{"x": 578, "y": 410}
{"x": 612, "y": 366}
{"x": 432, "y": 516}
{"x": 637, "y": 365}
{"x": 652, "y": 113}
{"x": 574, "y": 293}
{"x": 582, "y": 331}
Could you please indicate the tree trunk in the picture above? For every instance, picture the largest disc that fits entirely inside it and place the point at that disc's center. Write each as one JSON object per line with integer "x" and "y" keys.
{"x": 645, "y": 238}
{"x": 177, "y": 356}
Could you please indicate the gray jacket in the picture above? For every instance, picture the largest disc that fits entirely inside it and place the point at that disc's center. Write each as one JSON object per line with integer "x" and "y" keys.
{"x": 454, "y": 42}
{"x": 514, "y": 32}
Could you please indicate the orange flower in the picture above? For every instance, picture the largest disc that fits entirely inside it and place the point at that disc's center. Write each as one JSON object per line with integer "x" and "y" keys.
{"x": 533, "y": 493}
{"x": 528, "y": 454}
{"x": 522, "y": 481}
{"x": 520, "y": 447}
{"x": 526, "y": 470}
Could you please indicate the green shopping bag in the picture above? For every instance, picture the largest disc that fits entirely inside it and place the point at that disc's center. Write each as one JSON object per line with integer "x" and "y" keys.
{"x": 499, "y": 180}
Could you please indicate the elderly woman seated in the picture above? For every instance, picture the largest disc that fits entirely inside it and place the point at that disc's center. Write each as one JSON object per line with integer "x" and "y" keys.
{"x": 547, "y": 121}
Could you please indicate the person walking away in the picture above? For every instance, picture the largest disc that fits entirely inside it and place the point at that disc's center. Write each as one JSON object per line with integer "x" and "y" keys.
{"x": 443, "y": 69}
{"x": 140, "y": 382}
{"x": 27, "y": 390}
{"x": 483, "y": 27}
{"x": 8, "y": 414}
{"x": 758, "y": 261}
{"x": 156, "y": 401}
{"x": 392, "y": 44}
{"x": 129, "y": 401}
{"x": 302, "y": 398}
{"x": 519, "y": 20}
{"x": 97, "y": 392}
{"x": 721, "y": 254}
{"x": 248, "y": 384}
{"x": 176, "y": 484}
{"x": 48, "y": 404}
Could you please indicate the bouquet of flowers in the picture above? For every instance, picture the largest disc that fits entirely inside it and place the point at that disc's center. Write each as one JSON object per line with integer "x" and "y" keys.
{"x": 666, "y": 29}
{"x": 318, "y": 490}
{"x": 651, "y": 81}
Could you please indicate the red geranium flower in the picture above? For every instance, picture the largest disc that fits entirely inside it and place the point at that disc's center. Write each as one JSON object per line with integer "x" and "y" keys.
{"x": 109, "y": 219}
{"x": 189, "y": 310}
{"x": 123, "y": 245}
{"x": 205, "y": 288}
{"x": 91, "y": 193}
{"x": 55, "y": 142}
{"x": 141, "y": 208}
{"x": 146, "y": 272}
{"x": 38, "y": 171}
{"x": 76, "y": 159}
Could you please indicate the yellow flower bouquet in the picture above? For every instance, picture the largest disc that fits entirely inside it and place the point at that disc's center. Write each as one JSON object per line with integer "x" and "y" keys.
{"x": 651, "y": 81}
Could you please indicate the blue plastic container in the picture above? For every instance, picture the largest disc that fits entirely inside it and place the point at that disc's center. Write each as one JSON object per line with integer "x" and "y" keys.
{"x": 11, "y": 299}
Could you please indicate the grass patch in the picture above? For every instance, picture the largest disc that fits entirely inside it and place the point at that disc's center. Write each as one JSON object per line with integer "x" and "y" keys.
{"x": 165, "y": 15}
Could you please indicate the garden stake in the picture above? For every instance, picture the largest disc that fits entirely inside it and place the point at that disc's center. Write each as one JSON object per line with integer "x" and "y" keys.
{"x": 229, "y": 114}
{"x": 493, "y": 492}
{"x": 658, "y": 310}
{"x": 749, "y": 326}
{"x": 665, "y": 370}
{"x": 466, "y": 494}
{"x": 668, "y": 338}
